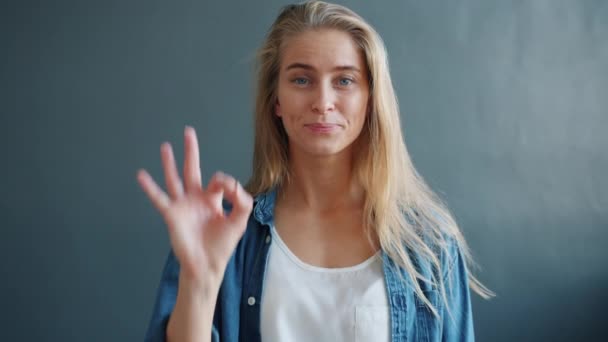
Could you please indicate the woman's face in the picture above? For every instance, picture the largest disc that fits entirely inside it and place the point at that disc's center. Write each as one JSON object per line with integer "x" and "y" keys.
{"x": 322, "y": 92}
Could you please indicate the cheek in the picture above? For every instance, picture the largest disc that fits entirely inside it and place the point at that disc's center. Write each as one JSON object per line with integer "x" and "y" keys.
{"x": 358, "y": 112}
{"x": 293, "y": 105}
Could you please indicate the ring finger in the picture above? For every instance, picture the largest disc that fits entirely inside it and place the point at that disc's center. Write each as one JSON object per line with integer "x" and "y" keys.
{"x": 174, "y": 183}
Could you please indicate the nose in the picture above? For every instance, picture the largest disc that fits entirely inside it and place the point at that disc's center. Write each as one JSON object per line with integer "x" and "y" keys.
{"x": 325, "y": 99}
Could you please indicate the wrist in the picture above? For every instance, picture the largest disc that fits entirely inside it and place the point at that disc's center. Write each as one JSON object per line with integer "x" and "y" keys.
{"x": 205, "y": 289}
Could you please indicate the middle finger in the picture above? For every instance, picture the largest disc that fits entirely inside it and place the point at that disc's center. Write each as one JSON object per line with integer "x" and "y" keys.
{"x": 192, "y": 168}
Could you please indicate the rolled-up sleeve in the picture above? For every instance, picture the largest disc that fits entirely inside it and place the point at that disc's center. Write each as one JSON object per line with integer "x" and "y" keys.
{"x": 165, "y": 302}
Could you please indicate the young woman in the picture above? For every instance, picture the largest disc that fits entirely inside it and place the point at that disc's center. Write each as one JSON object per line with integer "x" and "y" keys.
{"x": 336, "y": 237}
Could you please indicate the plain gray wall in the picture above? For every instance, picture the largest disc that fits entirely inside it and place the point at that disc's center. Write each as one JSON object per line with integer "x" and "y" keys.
{"x": 505, "y": 107}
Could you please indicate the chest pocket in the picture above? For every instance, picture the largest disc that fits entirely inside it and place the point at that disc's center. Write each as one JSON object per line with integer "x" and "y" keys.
{"x": 372, "y": 324}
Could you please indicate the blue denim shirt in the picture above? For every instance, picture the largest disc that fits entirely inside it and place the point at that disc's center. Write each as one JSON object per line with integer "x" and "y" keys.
{"x": 237, "y": 312}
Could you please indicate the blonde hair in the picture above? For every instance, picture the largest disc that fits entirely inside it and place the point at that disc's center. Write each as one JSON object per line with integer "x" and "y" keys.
{"x": 400, "y": 207}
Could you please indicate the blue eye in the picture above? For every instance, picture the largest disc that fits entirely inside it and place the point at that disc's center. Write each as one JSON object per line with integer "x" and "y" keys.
{"x": 300, "y": 81}
{"x": 345, "y": 81}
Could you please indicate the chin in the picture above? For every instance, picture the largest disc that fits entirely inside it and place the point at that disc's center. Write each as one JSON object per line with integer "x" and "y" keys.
{"x": 324, "y": 150}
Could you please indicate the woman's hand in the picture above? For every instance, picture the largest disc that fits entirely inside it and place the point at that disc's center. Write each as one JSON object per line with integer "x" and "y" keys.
{"x": 202, "y": 236}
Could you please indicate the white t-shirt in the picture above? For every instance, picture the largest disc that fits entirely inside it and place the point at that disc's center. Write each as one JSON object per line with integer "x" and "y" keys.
{"x": 301, "y": 302}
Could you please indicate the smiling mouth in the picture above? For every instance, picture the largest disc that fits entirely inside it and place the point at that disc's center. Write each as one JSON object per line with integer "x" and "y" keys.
{"x": 322, "y": 128}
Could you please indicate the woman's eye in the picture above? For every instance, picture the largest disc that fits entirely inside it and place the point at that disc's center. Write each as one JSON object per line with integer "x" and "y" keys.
{"x": 300, "y": 81}
{"x": 345, "y": 81}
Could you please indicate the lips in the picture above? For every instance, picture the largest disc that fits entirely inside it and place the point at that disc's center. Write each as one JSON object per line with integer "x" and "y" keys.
{"x": 322, "y": 127}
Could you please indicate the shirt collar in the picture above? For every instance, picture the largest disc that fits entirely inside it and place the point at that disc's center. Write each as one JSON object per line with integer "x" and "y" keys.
{"x": 263, "y": 210}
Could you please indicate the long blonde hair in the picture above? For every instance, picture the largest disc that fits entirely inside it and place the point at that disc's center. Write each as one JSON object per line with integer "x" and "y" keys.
{"x": 399, "y": 206}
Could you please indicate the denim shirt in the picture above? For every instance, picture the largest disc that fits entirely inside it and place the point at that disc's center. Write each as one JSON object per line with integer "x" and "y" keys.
{"x": 237, "y": 311}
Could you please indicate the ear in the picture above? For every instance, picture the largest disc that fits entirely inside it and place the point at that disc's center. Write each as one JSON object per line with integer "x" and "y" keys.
{"x": 277, "y": 109}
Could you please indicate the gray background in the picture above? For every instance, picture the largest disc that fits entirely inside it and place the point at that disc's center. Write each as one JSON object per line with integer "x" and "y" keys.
{"x": 505, "y": 107}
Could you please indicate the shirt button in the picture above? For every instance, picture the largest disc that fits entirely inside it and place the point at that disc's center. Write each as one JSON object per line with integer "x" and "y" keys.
{"x": 268, "y": 239}
{"x": 251, "y": 301}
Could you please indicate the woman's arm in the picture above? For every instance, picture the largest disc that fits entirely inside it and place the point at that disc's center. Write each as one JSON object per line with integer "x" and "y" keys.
{"x": 193, "y": 311}
{"x": 181, "y": 306}
{"x": 203, "y": 237}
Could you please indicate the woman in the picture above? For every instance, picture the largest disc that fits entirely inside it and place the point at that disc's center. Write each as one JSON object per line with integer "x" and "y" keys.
{"x": 336, "y": 236}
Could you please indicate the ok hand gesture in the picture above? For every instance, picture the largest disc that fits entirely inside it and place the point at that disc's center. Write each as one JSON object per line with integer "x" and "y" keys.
{"x": 202, "y": 236}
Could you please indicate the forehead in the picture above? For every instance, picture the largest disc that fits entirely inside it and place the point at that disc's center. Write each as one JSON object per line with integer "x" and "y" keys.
{"x": 322, "y": 49}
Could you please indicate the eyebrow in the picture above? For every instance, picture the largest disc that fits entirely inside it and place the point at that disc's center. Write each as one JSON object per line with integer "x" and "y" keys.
{"x": 310, "y": 67}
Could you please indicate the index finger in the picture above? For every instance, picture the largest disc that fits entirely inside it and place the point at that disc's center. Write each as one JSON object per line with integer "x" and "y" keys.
{"x": 241, "y": 201}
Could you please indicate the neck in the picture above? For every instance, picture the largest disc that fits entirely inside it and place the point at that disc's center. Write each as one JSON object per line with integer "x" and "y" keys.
{"x": 322, "y": 183}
